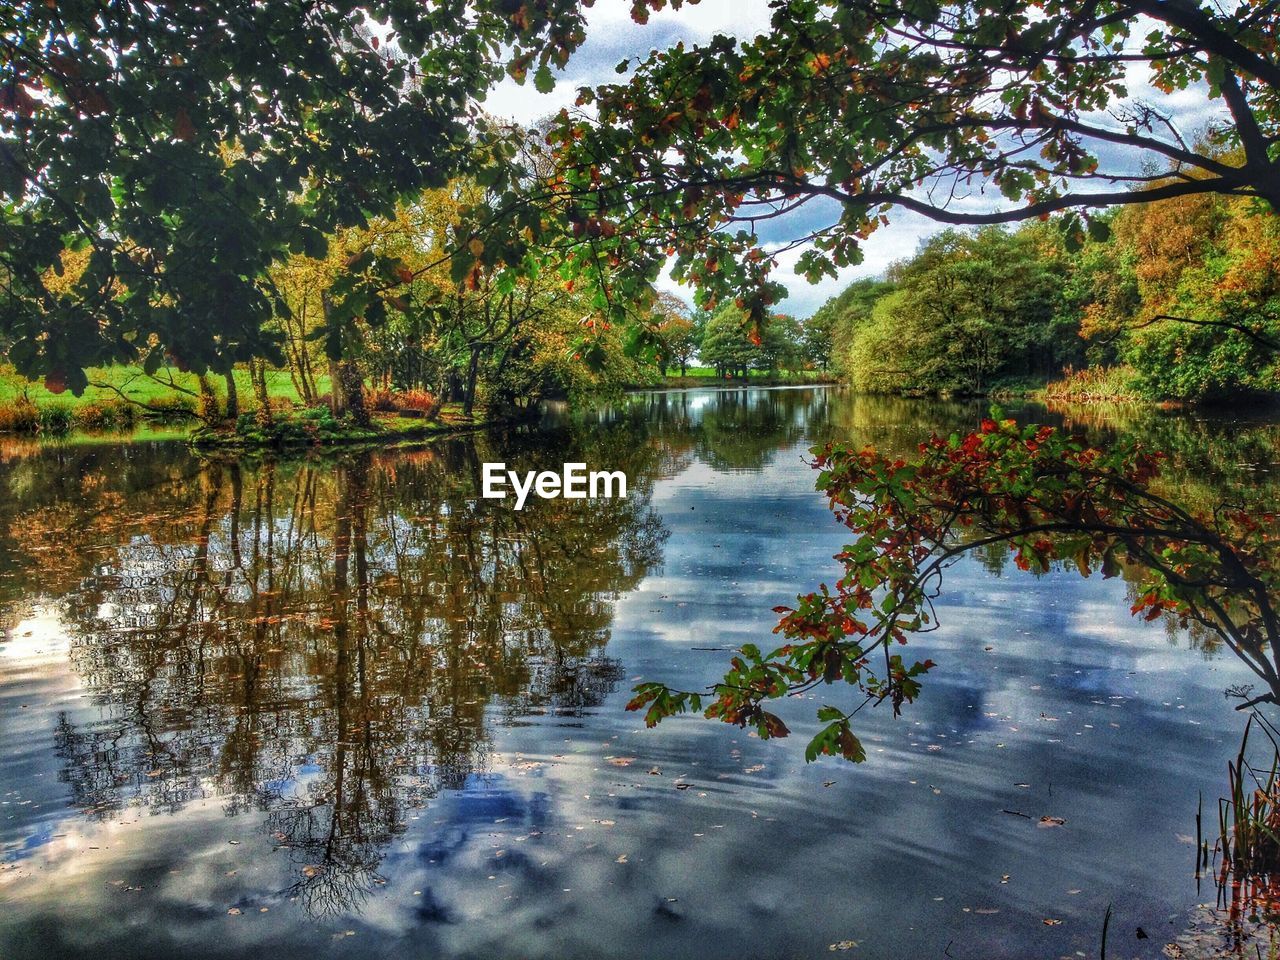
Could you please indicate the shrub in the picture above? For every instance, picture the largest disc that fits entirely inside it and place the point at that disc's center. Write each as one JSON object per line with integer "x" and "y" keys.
{"x": 1094, "y": 383}
{"x": 307, "y": 427}
{"x": 322, "y": 414}
{"x": 56, "y": 419}
{"x": 421, "y": 401}
{"x": 174, "y": 405}
{"x": 383, "y": 400}
{"x": 19, "y": 416}
{"x": 1179, "y": 361}
{"x": 106, "y": 415}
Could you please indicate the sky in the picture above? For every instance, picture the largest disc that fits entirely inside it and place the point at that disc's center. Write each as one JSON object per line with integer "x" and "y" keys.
{"x": 613, "y": 36}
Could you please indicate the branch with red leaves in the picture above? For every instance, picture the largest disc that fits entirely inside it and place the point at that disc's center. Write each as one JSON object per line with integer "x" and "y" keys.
{"x": 1050, "y": 499}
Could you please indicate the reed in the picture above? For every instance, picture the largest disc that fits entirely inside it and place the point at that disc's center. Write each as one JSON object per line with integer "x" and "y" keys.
{"x": 1249, "y": 829}
{"x": 1115, "y": 384}
{"x": 56, "y": 419}
{"x": 23, "y": 416}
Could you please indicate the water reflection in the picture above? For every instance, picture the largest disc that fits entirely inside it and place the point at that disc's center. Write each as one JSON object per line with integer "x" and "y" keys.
{"x": 320, "y": 640}
{"x": 395, "y": 689}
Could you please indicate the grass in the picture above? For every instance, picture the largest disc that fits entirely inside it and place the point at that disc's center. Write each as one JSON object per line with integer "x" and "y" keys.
{"x": 136, "y": 385}
{"x": 119, "y": 397}
{"x": 26, "y": 407}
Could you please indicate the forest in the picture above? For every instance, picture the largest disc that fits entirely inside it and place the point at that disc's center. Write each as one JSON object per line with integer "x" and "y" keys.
{"x": 1174, "y": 300}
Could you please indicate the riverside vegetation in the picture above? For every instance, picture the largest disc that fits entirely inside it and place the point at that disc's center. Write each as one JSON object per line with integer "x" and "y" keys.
{"x": 987, "y": 311}
{"x": 1176, "y": 300}
{"x": 243, "y": 223}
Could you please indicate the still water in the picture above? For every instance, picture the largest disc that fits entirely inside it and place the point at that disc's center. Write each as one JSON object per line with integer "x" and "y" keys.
{"x": 342, "y": 707}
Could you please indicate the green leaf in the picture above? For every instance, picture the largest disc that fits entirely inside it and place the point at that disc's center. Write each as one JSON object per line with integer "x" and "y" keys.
{"x": 543, "y": 81}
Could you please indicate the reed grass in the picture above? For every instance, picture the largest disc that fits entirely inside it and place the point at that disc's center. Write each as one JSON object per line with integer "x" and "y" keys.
{"x": 1249, "y": 830}
{"x": 23, "y": 416}
{"x": 1114, "y": 384}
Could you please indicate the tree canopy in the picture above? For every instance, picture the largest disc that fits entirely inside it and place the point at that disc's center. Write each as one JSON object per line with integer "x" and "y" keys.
{"x": 858, "y": 108}
{"x": 1180, "y": 301}
{"x": 187, "y": 147}
{"x": 182, "y": 151}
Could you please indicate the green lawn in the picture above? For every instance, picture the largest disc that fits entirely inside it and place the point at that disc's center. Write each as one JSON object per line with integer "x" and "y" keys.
{"x": 136, "y": 385}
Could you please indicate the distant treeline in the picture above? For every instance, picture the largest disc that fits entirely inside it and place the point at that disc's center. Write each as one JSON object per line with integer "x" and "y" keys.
{"x": 1174, "y": 300}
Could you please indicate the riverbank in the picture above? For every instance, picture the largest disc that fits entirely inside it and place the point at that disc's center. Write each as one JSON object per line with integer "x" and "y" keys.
{"x": 124, "y": 400}
{"x": 123, "y": 397}
{"x": 702, "y": 377}
{"x": 1102, "y": 385}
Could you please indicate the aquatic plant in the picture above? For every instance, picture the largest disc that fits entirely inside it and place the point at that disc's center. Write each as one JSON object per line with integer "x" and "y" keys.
{"x": 1249, "y": 830}
{"x": 1114, "y": 384}
{"x": 56, "y": 419}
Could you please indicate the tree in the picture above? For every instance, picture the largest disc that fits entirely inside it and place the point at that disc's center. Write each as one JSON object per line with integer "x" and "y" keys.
{"x": 968, "y": 308}
{"x": 499, "y": 335}
{"x": 677, "y": 336}
{"x": 882, "y": 351}
{"x": 819, "y": 338}
{"x": 780, "y": 344}
{"x": 188, "y": 148}
{"x": 846, "y": 313}
{"x": 726, "y": 344}
{"x": 1207, "y": 272}
{"x": 881, "y": 106}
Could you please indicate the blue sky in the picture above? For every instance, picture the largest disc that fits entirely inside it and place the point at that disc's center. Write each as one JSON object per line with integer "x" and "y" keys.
{"x": 613, "y": 36}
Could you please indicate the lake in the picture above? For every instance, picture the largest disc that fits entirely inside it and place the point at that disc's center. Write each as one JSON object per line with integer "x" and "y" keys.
{"x": 341, "y": 706}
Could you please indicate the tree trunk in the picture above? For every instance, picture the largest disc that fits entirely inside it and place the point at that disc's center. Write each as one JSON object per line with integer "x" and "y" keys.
{"x": 233, "y": 398}
{"x": 258, "y": 375}
{"x": 350, "y": 386}
{"x": 308, "y": 377}
{"x": 337, "y": 396}
{"x": 473, "y": 369}
{"x": 339, "y": 374}
{"x": 297, "y": 349}
{"x": 208, "y": 411}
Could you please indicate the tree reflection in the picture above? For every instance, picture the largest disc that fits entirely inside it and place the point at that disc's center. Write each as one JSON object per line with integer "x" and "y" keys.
{"x": 320, "y": 640}
{"x": 330, "y": 643}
